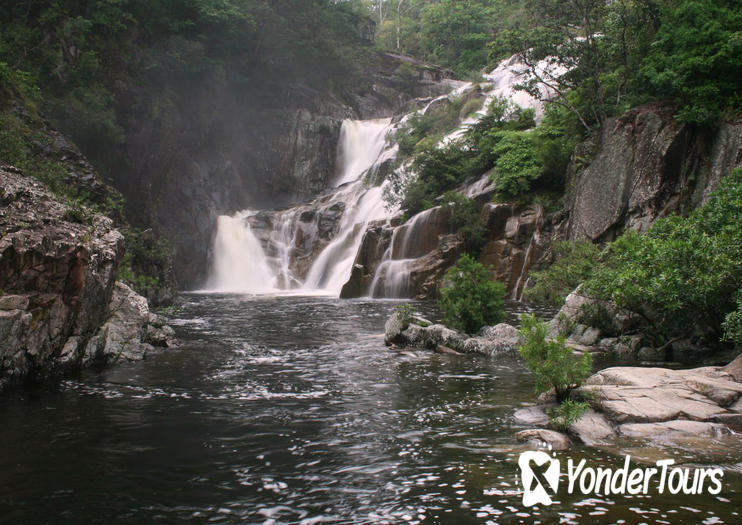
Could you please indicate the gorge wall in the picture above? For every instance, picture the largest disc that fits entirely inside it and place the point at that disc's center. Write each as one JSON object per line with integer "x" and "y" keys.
{"x": 642, "y": 166}
{"x": 221, "y": 145}
{"x": 61, "y": 307}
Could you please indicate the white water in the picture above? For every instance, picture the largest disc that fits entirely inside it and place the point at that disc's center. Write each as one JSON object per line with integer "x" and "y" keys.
{"x": 361, "y": 146}
{"x": 241, "y": 264}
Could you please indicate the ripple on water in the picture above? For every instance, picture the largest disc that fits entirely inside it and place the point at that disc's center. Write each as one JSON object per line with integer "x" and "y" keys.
{"x": 291, "y": 410}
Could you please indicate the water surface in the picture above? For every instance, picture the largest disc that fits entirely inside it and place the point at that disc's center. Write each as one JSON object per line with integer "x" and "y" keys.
{"x": 292, "y": 410}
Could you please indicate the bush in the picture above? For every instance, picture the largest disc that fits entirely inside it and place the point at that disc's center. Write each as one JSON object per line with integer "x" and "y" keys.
{"x": 573, "y": 264}
{"x": 552, "y": 363}
{"x": 464, "y": 217}
{"x": 566, "y": 414}
{"x": 683, "y": 274}
{"x": 733, "y": 323}
{"x": 470, "y": 300}
{"x": 517, "y": 163}
{"x": 404, "y": 314}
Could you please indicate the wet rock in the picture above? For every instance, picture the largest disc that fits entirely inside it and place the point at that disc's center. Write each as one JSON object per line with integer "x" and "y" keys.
{"x": 670, "y": 429}
{"x": 593, "y": 429}
{"x": 440, "y": 349}
{"x": 533, "y": 416}
{"x": 393, "y": 330}
{"x": 58, "y": 273}
{"x": 502, "y": 339}
{"x": 122, "y": 336}
{"x": 543, "y": 438}
{"x": 648, "y": 353}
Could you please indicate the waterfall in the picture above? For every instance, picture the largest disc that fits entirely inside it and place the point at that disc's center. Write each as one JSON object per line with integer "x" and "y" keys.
{"x": 243, "y": 262}
{"x": 332, "y": 268}
{"x": 410, "y": 241}
{"x": 312, "y": 246}
{"x": 361, "y": 145}
{"x": 240, "y": 264}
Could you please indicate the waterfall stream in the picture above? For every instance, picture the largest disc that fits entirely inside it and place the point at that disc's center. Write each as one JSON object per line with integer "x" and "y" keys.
{"x": 240, "y": 262}
{"x": 311, "y": 247}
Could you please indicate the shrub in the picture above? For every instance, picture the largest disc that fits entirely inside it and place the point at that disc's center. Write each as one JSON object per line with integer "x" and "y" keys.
{"x": 573, "y": 264}
{"x": 552, "y": 363}
{"x": 517, "y": 163}
{"x": 684, "y": 272}
{"x": 470, "y": 300}
{"x": 566, "y": 414}
{"x": 733, "y": 323}
{"x": 464, "y": 217}
{"x": 404, "y": 314}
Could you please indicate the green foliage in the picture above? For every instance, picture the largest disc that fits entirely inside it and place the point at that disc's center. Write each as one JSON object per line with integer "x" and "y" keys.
{"x": 733, "y": 323}
{"x": 470, "y": 300}
{"x": 621, "y": 54}
{"x": 684, "y": 272}
{"x": 566, "y": 414}
{"x": 573, "y": 265}
{"x": 404, "y": 313}
{"x": 551, "y": 362}
{"x": 517, "y": 164}
{"x": 424, "y": 130}
{"x": 464, "y": 217}
{"x": 597, "y": 315}
{"x": 440, "y": 169}
{"x": 147, "y": 262}
{"x": 696, "y": 58}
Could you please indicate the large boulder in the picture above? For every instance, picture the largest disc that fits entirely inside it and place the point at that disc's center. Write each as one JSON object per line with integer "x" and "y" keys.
{"x": 58, "y": 268}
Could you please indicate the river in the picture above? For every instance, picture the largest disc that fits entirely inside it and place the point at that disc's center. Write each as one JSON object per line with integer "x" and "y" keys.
{"x": 290, "y": 409}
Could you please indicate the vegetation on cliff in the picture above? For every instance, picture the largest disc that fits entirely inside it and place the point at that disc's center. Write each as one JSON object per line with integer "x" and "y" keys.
{"x": 469, "y": 299}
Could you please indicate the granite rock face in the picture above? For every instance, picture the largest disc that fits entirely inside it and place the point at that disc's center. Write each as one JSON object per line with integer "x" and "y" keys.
{"x": 58, "y": 267}
{"x": 643, "y": 166}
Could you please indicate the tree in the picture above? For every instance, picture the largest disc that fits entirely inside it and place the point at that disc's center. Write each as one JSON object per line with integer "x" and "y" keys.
{"x": 470, "y": 300}
{"x": 696, "y": 59}
{"x": 552, "y": 363}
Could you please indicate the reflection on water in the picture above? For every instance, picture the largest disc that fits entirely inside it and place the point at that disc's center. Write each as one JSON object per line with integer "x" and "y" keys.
{"x": 291, "y": 410}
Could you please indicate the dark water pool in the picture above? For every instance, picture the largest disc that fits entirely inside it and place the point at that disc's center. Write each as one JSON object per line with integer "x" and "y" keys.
{"x": 291, "y": 410}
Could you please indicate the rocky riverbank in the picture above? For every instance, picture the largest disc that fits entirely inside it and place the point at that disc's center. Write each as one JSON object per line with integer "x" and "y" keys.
{"x": 61, "y": 306}
{"x": 657, "y": 407}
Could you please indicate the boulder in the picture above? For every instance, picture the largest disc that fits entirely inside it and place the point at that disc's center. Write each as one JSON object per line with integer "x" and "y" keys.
{"x": 532, "y": 416}
{"x": 593, "y": 429}
{"x": 650, "y": 395}
{"x": 502, "y": 339}
{"x": 61, "y": 305}
{"x": 123, "y": 335}
{"x": 670, "y": 429}
{"x": 543, "y": 438}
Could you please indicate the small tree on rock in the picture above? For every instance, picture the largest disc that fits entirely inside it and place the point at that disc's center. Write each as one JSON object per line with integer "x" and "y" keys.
{"x": 552, "y": 363}
{"x": 471, "y": 300}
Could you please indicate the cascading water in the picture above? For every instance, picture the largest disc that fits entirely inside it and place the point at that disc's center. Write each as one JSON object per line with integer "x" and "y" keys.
{"x": 362, "y": 145}
{"x": 276, "y": 257}
{"x": 241, "y": 262}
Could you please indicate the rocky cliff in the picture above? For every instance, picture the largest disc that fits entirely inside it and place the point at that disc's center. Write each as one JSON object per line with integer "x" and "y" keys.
{"x": 197, "y": 151}
{"x": 410, "y": 259}
{"x": 642, "y": 166}
{"x": 60, "y": 305}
